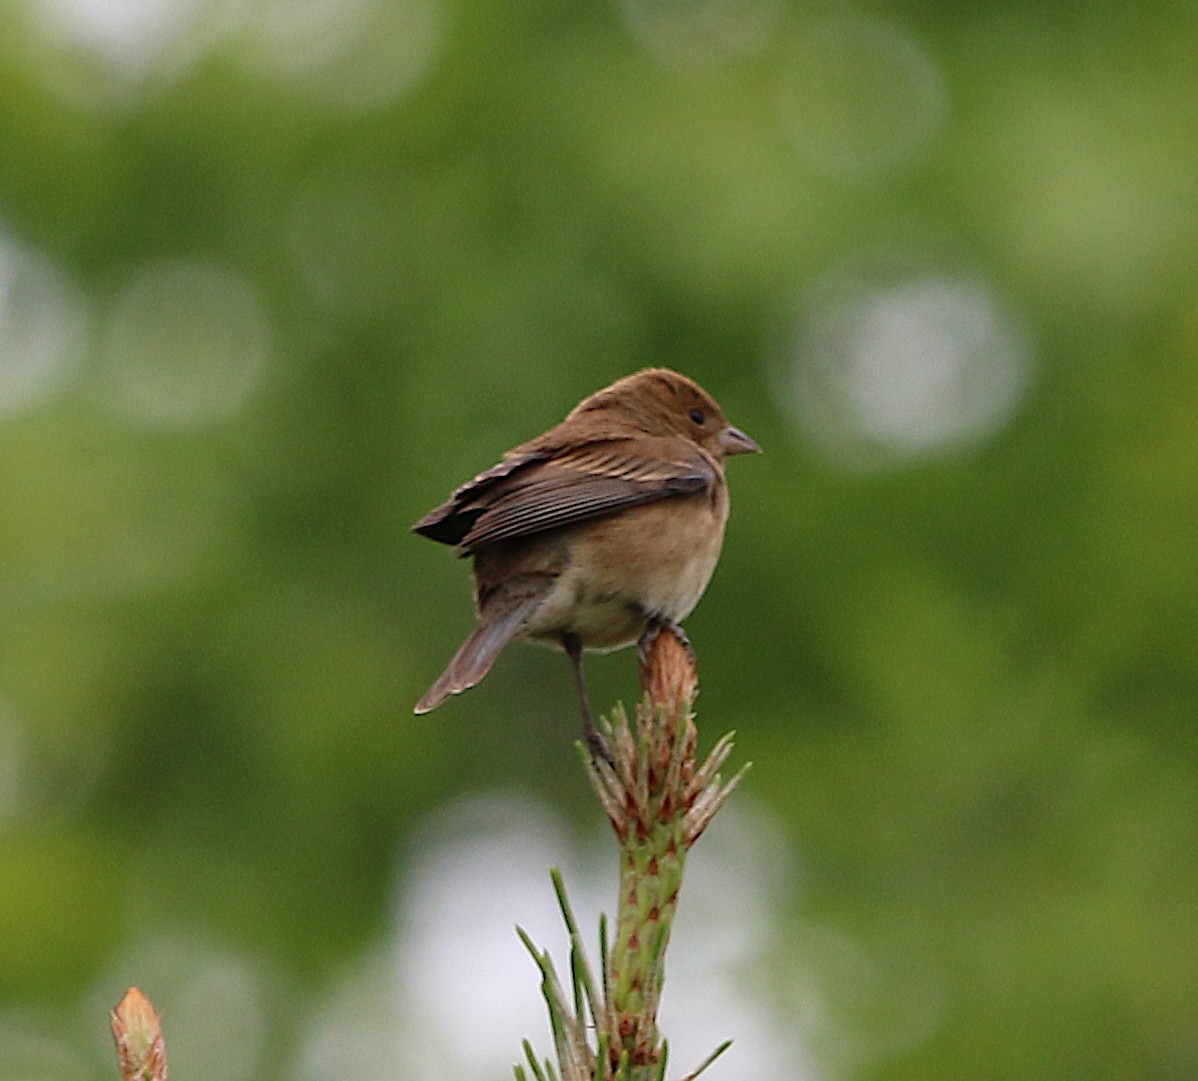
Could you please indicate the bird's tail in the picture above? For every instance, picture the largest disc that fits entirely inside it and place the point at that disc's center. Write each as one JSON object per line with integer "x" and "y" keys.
{"x": 476, "y": 655}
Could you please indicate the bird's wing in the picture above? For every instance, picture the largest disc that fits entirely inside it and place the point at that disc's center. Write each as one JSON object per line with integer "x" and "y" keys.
{"x": 583, "y": 483}
{"x": 453, "y": 519}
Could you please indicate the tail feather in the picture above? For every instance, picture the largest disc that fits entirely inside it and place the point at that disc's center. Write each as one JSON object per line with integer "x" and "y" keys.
{"x": 474, "y": 658}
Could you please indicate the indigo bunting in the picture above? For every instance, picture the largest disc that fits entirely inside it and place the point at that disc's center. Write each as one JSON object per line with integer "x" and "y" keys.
{"x": 596, "y": 532}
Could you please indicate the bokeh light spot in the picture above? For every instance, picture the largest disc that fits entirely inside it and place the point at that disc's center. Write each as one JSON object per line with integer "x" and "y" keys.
{"x": 112, "y": 52}
{"x": 355, "y": 1031}
{"x": 186, "y": 344}
{"x": 898, "y": 363}
{"x": 860, "y": 97}
{"x": 348, "y": 55}
{"x": 690, "y": 32}
{"x": 42, "y": 327}
{"x": 481, "y": 872}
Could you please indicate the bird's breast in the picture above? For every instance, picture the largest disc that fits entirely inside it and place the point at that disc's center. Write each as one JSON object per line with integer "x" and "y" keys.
{"x": 649, "y": 561}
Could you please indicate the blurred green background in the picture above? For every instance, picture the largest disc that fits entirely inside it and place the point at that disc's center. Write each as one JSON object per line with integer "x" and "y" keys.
{"x": 277, "y": 275}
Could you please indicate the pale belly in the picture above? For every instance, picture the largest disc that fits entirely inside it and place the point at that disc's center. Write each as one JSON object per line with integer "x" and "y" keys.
{"x": 653, "y": 562}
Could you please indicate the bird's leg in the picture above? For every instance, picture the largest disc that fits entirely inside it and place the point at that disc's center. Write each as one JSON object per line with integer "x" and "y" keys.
{"x": 653, "y": 628}
{"x": 595, "y": 742}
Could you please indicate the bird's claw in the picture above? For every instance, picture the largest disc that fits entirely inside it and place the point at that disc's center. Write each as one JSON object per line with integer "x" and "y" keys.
{"x": 596, "y": 744}
{"x": 656, "y": 625}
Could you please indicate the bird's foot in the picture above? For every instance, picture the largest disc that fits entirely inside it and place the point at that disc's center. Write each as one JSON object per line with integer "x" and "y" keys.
{"x": 657, "y": 624}
{"x": 595, "y": 742}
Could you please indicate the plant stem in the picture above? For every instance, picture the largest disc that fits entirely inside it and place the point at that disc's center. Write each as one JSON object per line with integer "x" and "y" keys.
{"x": 659, "y": 801}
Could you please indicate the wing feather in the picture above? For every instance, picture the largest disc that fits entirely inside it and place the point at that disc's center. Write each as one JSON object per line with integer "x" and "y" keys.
{"x": 451, "y": 521}
{"x": 563, "y": 501}
{"x": 530, "y": 493}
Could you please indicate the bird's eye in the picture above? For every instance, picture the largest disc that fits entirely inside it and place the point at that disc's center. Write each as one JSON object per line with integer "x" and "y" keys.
{"x": 698, "y": 416}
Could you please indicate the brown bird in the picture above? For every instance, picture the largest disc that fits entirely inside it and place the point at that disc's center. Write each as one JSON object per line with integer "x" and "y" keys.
{"x": 606, "y": 526}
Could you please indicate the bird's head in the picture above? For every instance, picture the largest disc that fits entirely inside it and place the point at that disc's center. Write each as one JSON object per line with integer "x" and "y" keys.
{"x": 661, "y": 402}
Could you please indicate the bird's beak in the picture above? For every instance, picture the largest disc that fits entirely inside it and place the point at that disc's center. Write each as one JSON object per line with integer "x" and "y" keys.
{"x": 734, "y": 441}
